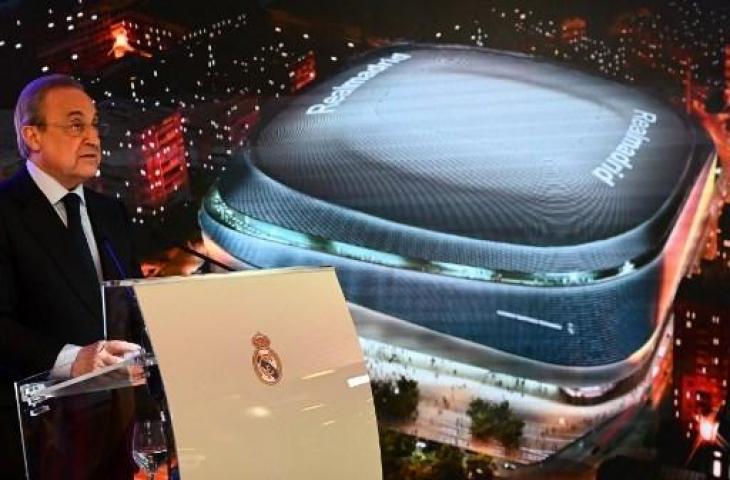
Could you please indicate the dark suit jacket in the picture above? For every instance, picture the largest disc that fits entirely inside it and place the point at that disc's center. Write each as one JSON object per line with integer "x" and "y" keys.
{"x": 46, "y": 300}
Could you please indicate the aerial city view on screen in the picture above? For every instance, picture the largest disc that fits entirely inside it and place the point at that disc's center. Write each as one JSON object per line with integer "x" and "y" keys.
{"x": 525, "y": 202}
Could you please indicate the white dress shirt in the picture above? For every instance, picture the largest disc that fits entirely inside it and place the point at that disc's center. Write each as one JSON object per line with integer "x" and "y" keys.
{"x": 55, "y": 192}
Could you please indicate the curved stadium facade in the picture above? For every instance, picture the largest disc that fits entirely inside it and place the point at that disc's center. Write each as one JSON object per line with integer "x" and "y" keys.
{"x": 480, "y": 206}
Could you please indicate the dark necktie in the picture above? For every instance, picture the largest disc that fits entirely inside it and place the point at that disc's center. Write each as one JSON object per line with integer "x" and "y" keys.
{"x": 72, "y": 202}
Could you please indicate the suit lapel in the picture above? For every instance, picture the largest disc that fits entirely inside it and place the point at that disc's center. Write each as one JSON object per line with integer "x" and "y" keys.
{"x": 43, "y": 222}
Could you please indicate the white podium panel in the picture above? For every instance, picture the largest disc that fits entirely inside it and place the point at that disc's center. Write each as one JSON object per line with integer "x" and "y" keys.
{"x": 263, "y": 374}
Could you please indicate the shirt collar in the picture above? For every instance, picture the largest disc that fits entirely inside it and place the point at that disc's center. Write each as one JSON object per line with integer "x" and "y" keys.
{"x": 50, "y": 187}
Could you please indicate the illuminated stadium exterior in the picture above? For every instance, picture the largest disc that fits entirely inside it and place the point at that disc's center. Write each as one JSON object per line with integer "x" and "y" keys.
{"x": 480, "y": 206}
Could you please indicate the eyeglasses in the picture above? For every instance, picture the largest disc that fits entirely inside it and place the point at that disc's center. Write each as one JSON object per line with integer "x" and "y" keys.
{"x": 78, "y": 129}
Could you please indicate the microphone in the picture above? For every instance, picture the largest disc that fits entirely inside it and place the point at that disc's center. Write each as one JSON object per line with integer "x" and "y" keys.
{"x": 165, "y": 240}
{"x": 109, "y": 249}
{"x": 201, "y": 256}
{"x": 123, "y": 274}
{"x": 153, "y": 386}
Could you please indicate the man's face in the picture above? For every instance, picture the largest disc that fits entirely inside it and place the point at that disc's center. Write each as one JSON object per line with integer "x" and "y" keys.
{"x": 66, "y": 146}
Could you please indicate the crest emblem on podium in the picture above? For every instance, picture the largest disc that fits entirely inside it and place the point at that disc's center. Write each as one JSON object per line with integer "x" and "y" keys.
{"x": 266, "y": 363}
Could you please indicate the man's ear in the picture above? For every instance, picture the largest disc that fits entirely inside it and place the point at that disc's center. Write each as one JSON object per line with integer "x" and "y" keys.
{"x": 31, "y": 137}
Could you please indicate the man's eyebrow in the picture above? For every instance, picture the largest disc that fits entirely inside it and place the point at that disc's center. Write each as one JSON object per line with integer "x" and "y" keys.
{"x": 78, "y": 113}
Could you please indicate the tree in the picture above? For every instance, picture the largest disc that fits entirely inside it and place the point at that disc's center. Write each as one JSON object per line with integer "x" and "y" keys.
{"x": 396, "y": 400}
{"x": 479, "y": 467}
{"x": 407, "y": 397}
{"x": 395, "y": 450}
{"x": 395, "y": 444}
{"x": 449, "y": 464}
{"x": 419, "y": 467}
{"x": 484, "y": 417}
{"x": 510, "y": 432}
{"x": 495, "y": 421}
{"x": 403, "y": 461}
{"x": 444, "y": 463}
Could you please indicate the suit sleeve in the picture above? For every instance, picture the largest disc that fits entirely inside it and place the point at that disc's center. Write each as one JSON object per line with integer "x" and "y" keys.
{"x": 23, "y": 351}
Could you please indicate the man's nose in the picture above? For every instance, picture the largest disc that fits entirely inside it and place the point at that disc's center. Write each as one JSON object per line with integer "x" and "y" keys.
{"x": 92, "y": 136}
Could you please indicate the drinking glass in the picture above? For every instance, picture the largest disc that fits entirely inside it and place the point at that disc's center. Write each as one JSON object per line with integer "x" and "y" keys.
{"x": 149, "y": 446}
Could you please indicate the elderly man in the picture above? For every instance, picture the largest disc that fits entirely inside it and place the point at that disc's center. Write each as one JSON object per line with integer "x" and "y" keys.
{"x": 58, "y": 241}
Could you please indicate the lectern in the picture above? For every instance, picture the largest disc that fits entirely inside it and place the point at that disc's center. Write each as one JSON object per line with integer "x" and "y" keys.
{"x": 262, "y": 372}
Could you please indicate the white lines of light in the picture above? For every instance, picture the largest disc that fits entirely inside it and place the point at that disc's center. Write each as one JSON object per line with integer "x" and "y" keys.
{"x": 258, "y": 412}
{"x": 525, "y": 318}
{"x": 312, "y": 407}
{"x": 318, "y": 374}
{"x": 359, "y": 380}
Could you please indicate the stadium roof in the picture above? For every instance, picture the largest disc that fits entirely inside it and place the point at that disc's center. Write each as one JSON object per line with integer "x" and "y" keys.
{"x": 476, "y": 158}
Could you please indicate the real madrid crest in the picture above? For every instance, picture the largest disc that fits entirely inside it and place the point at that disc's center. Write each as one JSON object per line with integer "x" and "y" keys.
{"x": 266, "y": 363}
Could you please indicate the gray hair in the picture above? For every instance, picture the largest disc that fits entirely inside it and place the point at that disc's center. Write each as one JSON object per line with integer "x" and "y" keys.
{"x": 28, "y": 108}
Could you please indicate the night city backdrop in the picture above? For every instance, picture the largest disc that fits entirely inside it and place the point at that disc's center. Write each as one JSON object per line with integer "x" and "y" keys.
{"x": 185, "y": 84}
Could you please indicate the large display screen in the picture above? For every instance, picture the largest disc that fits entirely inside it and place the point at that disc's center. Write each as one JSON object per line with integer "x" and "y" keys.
{"x": 524, "y": 203}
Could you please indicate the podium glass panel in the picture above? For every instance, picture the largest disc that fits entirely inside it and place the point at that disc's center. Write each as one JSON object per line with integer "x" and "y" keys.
{"x": 263, "y": 373}
{"x": 82, "y": 427}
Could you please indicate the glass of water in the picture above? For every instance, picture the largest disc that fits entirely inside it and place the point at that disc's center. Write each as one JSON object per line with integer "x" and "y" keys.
{"x": 149, "y": 446}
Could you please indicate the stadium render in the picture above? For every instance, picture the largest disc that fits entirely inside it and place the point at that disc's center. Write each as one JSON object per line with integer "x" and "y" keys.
{"x": 479, "y": 206}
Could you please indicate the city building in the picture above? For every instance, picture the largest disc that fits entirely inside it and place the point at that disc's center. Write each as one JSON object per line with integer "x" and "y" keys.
{"x": 702, "y": 366}
{"x": 479, "y": 206}
{"x": 721, "y": 450}
{"x": 145, "y": 163}
{"x": 216, "y": 129}
{"x": 87, "y": 41}
{"x": 573, "y": 29}
{"x": 723, "y": 241}
{"x": 303, "y": 72}
{"x": 727, "y": 77}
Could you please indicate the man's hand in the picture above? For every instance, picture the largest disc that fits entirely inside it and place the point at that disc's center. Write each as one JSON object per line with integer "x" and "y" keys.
{"x": 101, "y": 354}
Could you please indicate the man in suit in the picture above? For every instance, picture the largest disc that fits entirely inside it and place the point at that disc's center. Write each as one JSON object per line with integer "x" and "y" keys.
{"x": 58, "y": 241}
